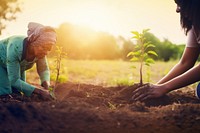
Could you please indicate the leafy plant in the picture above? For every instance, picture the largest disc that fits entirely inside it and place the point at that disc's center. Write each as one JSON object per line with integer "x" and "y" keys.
{"x": 142, "y": 52}
{"x": 60, "y": 54}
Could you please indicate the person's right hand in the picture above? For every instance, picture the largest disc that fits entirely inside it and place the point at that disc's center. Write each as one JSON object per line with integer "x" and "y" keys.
{"x": 147, "y": 92}
{"x": 43, "y": 93}
{"x": 45, "y": 84}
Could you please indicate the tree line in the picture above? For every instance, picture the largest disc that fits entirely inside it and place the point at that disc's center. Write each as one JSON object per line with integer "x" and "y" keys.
{"x": 84, "y": 43}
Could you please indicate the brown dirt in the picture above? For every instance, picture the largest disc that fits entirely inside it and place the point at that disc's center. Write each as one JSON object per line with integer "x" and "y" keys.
{"x": 82, "y": 108}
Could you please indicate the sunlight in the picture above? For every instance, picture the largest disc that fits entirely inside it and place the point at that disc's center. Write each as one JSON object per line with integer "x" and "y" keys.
{"x": 115, "y": 17}
{"x": 96, "y": 17}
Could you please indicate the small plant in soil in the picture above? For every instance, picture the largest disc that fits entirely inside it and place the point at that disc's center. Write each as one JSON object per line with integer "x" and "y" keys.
{"x": 60, "y": 54}
{"x": 142, "y": 52}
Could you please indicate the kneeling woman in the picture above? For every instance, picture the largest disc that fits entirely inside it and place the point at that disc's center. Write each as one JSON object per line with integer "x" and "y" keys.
{"x": 20, "y": 53}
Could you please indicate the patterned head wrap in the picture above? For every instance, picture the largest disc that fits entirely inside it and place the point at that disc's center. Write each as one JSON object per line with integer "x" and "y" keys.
{"x": 39, "y": 34}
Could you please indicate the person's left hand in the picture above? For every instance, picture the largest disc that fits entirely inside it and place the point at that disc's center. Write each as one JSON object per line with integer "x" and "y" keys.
{"x": 147, "y": 91}
{"x": 45, "y": 84}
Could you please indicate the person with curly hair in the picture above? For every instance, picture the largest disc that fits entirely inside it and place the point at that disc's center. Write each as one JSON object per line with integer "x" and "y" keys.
{"x": 184, "y": 72}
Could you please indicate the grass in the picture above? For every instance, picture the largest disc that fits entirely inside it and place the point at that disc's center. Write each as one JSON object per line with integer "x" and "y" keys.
{"x": 106, "y": 73}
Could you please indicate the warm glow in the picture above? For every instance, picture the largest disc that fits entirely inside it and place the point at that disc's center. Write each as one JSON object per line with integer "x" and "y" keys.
{"x": 96, "y": 17}
{"x": 117, "y": 17}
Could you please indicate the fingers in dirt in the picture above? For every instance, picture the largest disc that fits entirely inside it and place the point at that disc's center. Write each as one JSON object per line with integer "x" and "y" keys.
{"x": 141, "y": 97}
{"x": 136, "y": 90}
{"x": 136, "y": 93}
{"x": 146, "y": 97}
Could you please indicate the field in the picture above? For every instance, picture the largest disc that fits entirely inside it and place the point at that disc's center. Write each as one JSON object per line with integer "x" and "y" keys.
{"x": 94, "y": 96}
{"x": 105, "y": 73}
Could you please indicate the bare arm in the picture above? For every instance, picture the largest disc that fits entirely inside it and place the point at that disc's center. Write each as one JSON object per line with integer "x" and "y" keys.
{"x": 183, "y": 80}
{"x": 153, "y": 91}
{"x": 180, "y": 76}
{"x": 187, "y": 61}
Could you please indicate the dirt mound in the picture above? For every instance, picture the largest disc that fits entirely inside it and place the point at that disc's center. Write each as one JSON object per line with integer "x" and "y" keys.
{"x": 83, "y": 108}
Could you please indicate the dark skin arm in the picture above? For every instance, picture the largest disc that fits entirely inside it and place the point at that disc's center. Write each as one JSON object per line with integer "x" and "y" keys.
{"x": 181, "y": 75}
{"x": 43, "y": 93}
{"x": 186, "y": 62}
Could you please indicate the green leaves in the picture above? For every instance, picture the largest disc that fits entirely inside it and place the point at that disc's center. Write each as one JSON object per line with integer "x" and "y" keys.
{"x": 152, "y": 53}
{"x": 143, "y": 51}
{"x": 136, "y": 34}
{"x": 51, "y": 92}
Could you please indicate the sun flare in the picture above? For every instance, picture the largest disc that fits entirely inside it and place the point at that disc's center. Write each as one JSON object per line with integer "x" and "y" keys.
{"x": 117, "y": 17}
{"x": 96, "y": 17}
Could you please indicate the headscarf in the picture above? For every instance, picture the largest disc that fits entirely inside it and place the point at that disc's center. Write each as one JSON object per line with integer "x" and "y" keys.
{"x": 39, "y": 34}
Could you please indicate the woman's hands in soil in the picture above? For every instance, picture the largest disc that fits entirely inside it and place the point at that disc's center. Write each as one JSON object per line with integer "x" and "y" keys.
{"x": 45, "y": 94}
{"x": 45, "y": 84}
{"x": 147, "y": 91}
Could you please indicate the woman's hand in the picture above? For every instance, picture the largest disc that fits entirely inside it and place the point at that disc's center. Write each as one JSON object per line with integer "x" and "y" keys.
{"x": 45, "y": 84}
{"x": 43, "y": 93}
{"x": 148, "y": 91}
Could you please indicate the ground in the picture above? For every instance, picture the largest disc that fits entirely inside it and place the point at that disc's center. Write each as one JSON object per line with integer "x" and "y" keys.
{"x": 83, "y": 108}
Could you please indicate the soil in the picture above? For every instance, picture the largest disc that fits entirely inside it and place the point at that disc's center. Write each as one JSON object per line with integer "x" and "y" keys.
{"x": 83, "y": 108}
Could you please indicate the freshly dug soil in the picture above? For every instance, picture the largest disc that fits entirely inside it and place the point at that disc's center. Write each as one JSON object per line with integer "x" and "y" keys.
{"x": 83, "y": 108}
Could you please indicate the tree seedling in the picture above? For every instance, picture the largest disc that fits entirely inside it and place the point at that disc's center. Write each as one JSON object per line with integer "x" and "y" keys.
{"x": 60, "y": 54}
{"x": 142, "y": 52}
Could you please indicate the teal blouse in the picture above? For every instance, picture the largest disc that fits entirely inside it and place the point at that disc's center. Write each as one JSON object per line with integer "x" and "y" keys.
{"x": 12, "y": 58}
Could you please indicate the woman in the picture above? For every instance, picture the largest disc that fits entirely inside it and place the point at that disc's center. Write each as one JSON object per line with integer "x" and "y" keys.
{"x": 183, "y": 73}
{"x": 20, "y": 53}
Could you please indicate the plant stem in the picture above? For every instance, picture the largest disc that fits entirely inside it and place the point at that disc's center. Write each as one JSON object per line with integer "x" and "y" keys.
{"x": 58, "y": 69}
{"x": 141, "y": 81}
{"x": 141, "y": 63}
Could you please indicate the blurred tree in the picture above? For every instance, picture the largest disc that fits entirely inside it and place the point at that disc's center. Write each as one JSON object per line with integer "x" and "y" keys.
{"x": 104, "y": 46}
{"x": 65, "y": 39}
{"x": 150, "y": 37}
{"x": 166, "y": 50}
{"x": 8, "y": 10}
{"x": 127, "y": 46}
{"x": 84, "y": 43}
{"x": 81, "y": 42}
{"x": 181, "y": 48}
{"x": 169, "y": 50}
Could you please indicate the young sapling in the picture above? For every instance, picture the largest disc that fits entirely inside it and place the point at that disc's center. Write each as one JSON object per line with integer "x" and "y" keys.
{"x": 60, "y": 54}
{"x": 142, "y": 52}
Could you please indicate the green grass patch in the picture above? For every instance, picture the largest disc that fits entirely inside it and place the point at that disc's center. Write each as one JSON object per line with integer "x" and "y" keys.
{"x": 104, "y": 72}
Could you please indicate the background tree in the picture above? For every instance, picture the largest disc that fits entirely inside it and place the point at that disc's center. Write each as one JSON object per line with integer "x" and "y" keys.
{"x": 126, "y": 47}
{"x": 84, "y": 43}
{"x": 81, "y": 42}
{"x": 165, "y": 49}
{"x": 8, "y": 10}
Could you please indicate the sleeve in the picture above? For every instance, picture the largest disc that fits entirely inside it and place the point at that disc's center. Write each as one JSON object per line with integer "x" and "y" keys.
{"x": 192, "y": 39}
{"x": 14, "y": 74}
{"x": 43, "y": 69}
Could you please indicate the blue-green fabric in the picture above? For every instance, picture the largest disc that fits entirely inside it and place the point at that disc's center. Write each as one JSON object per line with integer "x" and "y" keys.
{"x": 13, "y": 66}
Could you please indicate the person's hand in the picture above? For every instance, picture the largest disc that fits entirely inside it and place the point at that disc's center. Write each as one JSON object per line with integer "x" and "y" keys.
{"x": 147, "y": 91}
{"x": 45, "y": 84}
{"x": 43, "y": 93}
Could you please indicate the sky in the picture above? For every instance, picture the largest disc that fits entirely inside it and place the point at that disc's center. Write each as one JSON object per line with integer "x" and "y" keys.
{"x": 117, "y": 17}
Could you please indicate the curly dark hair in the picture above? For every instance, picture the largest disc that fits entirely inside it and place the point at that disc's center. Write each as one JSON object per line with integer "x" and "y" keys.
{"x": 189, "y": 14}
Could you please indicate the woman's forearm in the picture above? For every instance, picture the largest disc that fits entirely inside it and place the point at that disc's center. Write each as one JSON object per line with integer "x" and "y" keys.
{"x": 186, "y": 62}
{"x": 183, "y": 80}
{"x": 177, "y": 70}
